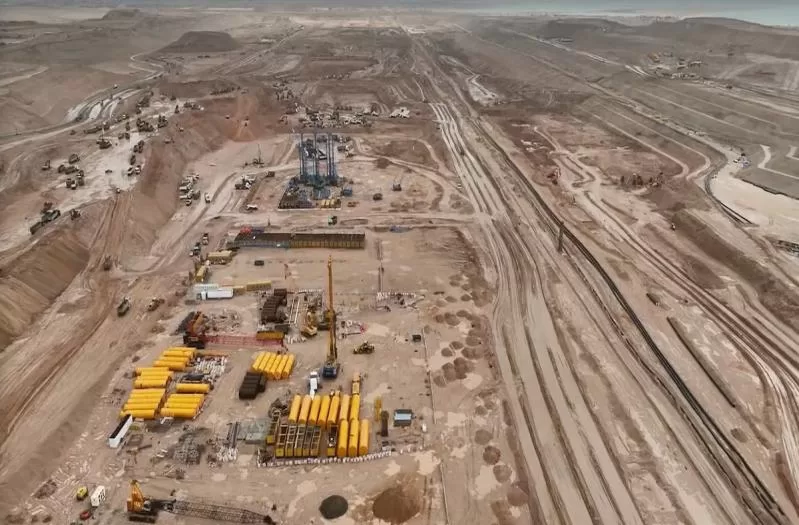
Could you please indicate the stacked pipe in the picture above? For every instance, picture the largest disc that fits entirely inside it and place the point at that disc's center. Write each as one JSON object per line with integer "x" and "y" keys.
{"x": 143, "y": 403}
{"x": 273, "y": 366}
{"x": 185, "y": 406}
{"x": 353, "y": 432}
{"x": 152, "y": 377}
{"x": 175, "y": 358}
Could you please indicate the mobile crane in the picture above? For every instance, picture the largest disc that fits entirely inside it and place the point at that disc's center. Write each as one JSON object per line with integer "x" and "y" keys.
{"x": 332, "y": 366}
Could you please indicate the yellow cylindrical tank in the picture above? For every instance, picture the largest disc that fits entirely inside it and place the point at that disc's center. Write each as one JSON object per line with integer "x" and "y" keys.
{"x": 139, "y": 414}
{"x": 179, "y": 360}
{"x": 193, "y": 406}
{"x": 182, "y": 358}
{"x": 171, "y": 365}
{"x": 344, "y": 411}
{"x": 343, "y": 435}
{"x": 324, "y": 410}
{"x": 257, "y": 362}
{"x": 352, "y": 448}
{"x": 182, "y": 350}
{"x": 183, "y": 413}
{"x": 305, "y": 410}
{"x": 294, "y": 411}
{"x": 185, "y": 398}
{"x": 267, "y": 363}
{"x": 147, "y": 369}
{"x": 284, "y": 359}
{"x": 158, "y": 372}
{"x": 332, "y": 416}
{"x": 313, "y": 416}
{"x": 141, "y": 406}
{"x": 363, "y": 438}
{"x": 288, "y": 366}
{"x": 355, "y": 407}
{"x": 151, "y": 383}
{"x": 193, "y": 388}
{"x": 178, "y": 353}
{"x": 273, "y": 365}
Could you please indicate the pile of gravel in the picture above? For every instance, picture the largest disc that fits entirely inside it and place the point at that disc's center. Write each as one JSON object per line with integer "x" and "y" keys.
{"x": 333, "y": 507}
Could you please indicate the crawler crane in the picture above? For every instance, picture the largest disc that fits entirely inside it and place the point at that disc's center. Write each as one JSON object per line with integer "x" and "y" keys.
{"x": 332, "y": 366}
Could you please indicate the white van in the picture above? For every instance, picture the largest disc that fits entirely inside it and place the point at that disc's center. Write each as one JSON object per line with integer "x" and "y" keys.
{"x": 252, "y": 207}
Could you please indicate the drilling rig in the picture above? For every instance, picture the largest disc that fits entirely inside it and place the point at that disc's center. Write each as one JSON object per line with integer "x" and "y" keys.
{"x": 331, "y": 367}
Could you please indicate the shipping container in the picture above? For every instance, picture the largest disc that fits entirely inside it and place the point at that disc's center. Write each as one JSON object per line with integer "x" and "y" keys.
{"x": 305, "y": 409}
{"x": 183, "y": 413}
{"x": 219, "y": 293}
{"x": 151, "y": 383}
{"x": 324, "y": 409}
{"x": 193, "y": 388}
{"x": 332, "y": 416}
{"x": 288, "y": 367}
{"x": 355, "y": 407}
{"x": 294, "y": 411}
{"x": 344, "y": 411}
{"x": 258, "y": 285}
{"x": 138, "y": 414}
{"x": 313, "y": 416}
{"x": 343, "y": 436}
{"x": 352, "y": 447}
{"x": 363, "y": 439}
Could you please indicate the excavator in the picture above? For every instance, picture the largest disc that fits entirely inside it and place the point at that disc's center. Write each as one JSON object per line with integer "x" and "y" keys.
{"x": 331, "y": 367}
{"x": 145, "y": 510}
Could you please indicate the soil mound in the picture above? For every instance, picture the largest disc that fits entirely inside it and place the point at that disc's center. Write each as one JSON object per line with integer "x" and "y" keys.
{"x": 202, "y": 42}
{"x": 121, "y": 14}
{"x": 400, "y": 502}
{"x": 32, "y": 281}
{"x": 333, "y": 507}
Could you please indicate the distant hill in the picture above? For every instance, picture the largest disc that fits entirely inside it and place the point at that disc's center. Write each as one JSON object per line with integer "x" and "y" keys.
{"x": 121, "y": 14}
{"x": 202, "y": 42}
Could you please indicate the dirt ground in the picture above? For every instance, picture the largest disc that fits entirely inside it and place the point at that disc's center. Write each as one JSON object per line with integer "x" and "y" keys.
{"x": 590, "y": 234}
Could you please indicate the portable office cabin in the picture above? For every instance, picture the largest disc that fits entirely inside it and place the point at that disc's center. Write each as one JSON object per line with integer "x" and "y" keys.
{"x": 119, "y": 433}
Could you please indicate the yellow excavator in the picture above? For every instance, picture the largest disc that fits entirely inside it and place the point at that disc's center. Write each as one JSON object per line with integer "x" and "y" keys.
{"x": 141, "y": 509}
{"x": 331, "y": 367}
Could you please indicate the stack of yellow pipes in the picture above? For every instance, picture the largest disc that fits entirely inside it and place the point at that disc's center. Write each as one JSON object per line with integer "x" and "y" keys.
{"x": 143, "y": 403}
{"x": 152, "y": 377}
{"x": 353, "y": 433}
{"x": 185, "y": 406}
{"x": 273, "y": 366}
{"x": 175, "y": 358}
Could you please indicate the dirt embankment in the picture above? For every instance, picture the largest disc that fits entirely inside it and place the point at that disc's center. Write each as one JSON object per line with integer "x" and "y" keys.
{"x": 32, "y": 281}
{"x": 773, "y": 293}
{"x": 202, "y": 42}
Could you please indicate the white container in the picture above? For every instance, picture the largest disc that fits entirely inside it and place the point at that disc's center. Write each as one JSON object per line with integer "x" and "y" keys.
{"x": 219, "y": 293}
{"x": 98, "y": 496}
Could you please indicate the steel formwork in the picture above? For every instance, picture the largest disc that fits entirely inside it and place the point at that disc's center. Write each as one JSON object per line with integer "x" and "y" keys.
{"x": 298, "y": 240}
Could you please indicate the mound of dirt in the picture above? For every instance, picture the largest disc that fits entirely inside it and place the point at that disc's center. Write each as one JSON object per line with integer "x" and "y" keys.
{"x": 32, "y": 281}
{"x": 121, "y": 14}
{"x": 333, "y": 507}
{"x": 202, "y": 42}
{"x": 400, "y": 502}
{"x": 491, "y": 455}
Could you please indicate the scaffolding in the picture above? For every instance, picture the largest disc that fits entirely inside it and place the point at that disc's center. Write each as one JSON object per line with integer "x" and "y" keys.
{"x": 317, "y": 160}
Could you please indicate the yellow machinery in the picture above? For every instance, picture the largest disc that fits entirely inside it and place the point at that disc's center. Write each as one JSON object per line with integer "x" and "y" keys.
{"x": 82, "y": 493}
{"x": 331, "y": 367}
{"x": 356, "y": 383}
{"x": 378, "y": 408}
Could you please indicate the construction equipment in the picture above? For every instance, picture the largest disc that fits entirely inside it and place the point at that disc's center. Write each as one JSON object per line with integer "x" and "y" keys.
{"x": 397, "y": 186}
{"x": 377, "y": 197}
{"x": 74, "y": 214}
{"x": 364, "y": 348}
{"x": 107, "y": 263}
{"x": 46, "y": 165}
{"x": 73, "y": 159}
{"x": 145, "y": 510}
{"x": 104, "y": 143}
{"x": 154, "y": 303}
{"x": 356, "y": 384}
{"x": 331, "y": 367}
{"x": 82, "y": 493}
{"x": 123, "y": 307}
{"x": 332, "y": 220}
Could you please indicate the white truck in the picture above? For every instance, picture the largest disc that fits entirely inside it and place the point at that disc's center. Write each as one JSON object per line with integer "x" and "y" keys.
{"x": 98, "y": 496}
{"x": 313, "y": 383}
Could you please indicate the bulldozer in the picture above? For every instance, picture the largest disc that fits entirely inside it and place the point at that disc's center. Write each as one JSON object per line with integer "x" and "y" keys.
{"x": 364, "y": 348}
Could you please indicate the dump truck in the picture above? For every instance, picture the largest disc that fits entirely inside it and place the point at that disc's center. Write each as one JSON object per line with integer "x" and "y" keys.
{"x": 73, "y": 159}
{"x": 123, "y": 307}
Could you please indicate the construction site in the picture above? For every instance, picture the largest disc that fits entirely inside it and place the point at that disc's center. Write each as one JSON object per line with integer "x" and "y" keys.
{"x": 357, "y": 266}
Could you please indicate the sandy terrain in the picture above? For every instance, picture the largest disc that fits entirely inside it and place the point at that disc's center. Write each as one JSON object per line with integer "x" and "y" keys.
{"x": 593, "y": 232}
